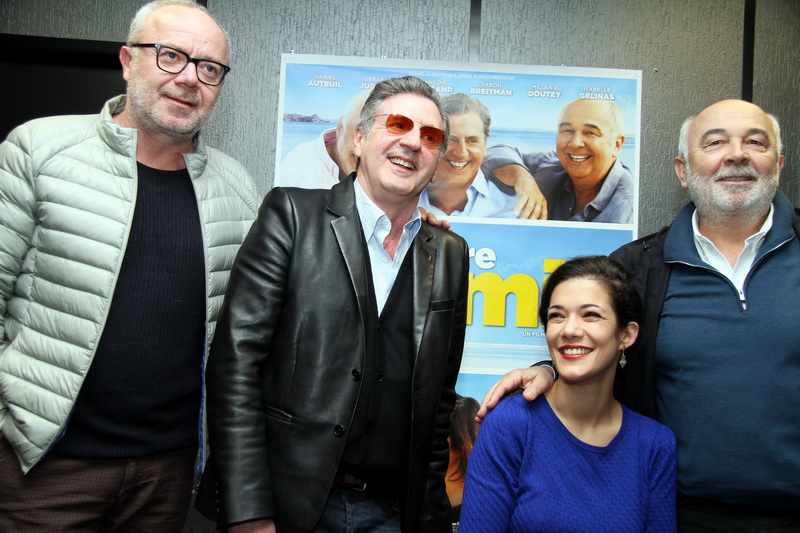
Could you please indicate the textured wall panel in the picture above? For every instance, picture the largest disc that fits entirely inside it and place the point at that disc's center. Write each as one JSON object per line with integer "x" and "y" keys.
{"x": 689, "y": 52}
{"x": 96, "y": 20}
{"x": 776, "y": 79}
{"x": 245, "y": 122}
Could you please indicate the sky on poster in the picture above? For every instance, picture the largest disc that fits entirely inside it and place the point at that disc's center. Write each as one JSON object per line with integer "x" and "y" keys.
{"x": 529, "y": 100}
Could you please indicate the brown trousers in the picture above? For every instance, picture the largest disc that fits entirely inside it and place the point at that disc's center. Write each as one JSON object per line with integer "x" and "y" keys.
{"x": 93, "y": 495}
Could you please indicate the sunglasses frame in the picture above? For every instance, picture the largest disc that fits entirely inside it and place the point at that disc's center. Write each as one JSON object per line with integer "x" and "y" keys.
{"x": 425, "y": 132}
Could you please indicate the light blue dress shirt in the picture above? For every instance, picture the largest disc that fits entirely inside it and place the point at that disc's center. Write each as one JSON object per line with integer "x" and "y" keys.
{"x": 376, "y": 227}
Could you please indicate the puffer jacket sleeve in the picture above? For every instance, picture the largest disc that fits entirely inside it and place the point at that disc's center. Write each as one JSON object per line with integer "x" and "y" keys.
{"x": 17, "y": 215}
{"x": 17, "y": 221}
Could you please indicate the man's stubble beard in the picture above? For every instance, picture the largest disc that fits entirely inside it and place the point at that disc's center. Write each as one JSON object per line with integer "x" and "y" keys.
{"x": 143, "y": 105}
{"x": 751, "y": 200}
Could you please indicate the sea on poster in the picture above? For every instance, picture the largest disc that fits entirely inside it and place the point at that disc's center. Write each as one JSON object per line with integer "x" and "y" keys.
{"x": 509, "y": 258}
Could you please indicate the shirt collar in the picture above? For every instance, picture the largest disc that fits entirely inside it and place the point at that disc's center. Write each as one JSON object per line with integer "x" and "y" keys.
{"x": 607, "y": 189}
{"x": 754, "y": 241}
{"x": 603, "y": 197}
{"x": 480, "y": 184}
{"x": 371, "y": 215}
{"x": 711, "y": 255}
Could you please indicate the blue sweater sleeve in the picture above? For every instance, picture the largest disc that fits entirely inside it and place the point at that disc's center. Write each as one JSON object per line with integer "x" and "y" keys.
{"x": 493, "y": 469}
{"x": 661, "y": 513}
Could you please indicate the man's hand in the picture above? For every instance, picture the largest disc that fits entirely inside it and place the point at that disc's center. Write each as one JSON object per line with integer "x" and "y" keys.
{"x": 430, "y": 218}
{"x": 256, "y": 526}
{"x": 532, "y": 203}
{"x": 535, "y": 380}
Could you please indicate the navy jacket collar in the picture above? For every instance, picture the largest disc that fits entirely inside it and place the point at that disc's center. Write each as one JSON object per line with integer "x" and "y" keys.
{"x": 679, "y": 245}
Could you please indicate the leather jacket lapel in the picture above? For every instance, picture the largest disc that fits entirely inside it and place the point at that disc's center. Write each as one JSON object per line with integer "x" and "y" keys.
{"x": 424, "y": 261}
{"x": 347, "y": 227}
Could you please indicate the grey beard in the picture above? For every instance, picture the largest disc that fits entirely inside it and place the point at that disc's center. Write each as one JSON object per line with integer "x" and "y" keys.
{"x": 717, "y": 207}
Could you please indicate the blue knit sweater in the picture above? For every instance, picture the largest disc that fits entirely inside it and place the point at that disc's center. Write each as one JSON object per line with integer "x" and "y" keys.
{"x": 728, "y": 374}
{"x": 527, "y": 472}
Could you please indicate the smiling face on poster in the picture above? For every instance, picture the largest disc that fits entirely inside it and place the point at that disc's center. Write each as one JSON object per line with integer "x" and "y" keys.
{"x": 460, "y": 188}
{"x": 466, "y": 149}
{"x": 527, "y": 105}
{"x": 589, "y": 140}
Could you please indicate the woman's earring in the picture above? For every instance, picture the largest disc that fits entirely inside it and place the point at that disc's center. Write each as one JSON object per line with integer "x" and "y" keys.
{"x": 622, "y": 360}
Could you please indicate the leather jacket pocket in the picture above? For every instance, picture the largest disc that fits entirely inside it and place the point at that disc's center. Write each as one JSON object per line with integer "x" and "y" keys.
{"x": 442, "y": 305}
{"x": 274, "y": 412}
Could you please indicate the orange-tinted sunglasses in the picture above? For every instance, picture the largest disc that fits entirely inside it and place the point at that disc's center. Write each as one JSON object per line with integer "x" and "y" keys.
{"x": 401, "y": 124}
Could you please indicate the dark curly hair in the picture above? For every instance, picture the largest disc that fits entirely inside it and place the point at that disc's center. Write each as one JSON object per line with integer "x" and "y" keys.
{"x": 624, "y": 299}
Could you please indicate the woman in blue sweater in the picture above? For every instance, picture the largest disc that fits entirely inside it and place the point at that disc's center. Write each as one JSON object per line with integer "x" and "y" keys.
{"x": 575, "y": 459}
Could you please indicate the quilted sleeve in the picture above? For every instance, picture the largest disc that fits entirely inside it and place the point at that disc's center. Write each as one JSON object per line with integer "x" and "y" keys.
{"x": 17, "y": 214}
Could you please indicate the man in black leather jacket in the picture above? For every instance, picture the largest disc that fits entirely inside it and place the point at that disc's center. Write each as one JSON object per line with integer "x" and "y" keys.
{"x": 331, "y": 377}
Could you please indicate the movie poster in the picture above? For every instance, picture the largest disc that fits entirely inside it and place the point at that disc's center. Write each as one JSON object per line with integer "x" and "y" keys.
{"x": 571, "y": 135}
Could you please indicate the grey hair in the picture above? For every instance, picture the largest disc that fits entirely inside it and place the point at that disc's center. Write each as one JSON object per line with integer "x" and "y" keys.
{"x": 614, "y": 109}
{"x": 392, "y": 87}
{"x": 143, "y": 15}
{"x": 683, "y": 137}
{"x": 776, "y": 130}
{"x": 461, "y": 104}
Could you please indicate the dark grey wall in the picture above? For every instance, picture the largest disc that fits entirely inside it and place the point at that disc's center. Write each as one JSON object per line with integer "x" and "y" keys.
{"x": 690, "y": 52}
{"x": 97, "y": 20}
{"x": 776, "y": 79}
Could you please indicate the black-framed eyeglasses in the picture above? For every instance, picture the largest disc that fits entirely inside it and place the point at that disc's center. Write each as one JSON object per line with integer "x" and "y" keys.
{"x": 174, "y": 61}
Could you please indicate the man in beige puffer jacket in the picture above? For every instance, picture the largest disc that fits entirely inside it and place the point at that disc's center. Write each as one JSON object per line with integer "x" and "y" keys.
{"x": 117, "y": 234}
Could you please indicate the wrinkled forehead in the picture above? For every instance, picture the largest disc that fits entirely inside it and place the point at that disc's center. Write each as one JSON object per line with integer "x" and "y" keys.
{"x": 737, "y": 119}
{"x": 582, "y": 113}
{"x": 187, "y": 29}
